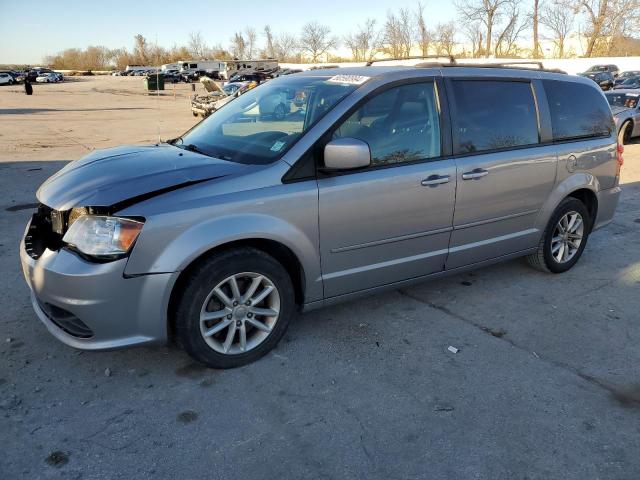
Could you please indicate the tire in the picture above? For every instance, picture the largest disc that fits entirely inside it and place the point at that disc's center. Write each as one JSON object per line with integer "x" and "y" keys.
{"x": 544, "y": 259}
{"x": 624, "y": 135}
{"x": 198, "y": 297}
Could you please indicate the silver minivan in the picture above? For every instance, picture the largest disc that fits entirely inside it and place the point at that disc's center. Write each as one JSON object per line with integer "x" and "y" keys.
{"x": 315, "y": 188}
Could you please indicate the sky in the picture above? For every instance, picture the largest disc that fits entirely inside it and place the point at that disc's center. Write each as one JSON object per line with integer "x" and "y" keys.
{"x": 36, "y": 28}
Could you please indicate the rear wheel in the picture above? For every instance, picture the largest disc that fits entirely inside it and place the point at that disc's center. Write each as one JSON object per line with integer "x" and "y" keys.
{"x": 234, "y": 308}
{"x": 564, "y": 238}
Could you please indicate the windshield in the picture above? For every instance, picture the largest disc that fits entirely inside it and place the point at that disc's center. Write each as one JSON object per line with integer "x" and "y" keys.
{"x": 623, "y": 100}
{"x": 598, "y": 68}
{"x": 261, "y": 125}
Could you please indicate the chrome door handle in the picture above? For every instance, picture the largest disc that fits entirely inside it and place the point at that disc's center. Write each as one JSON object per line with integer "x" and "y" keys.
{"x": 432, "y": 180}
{"x": 474, "y": 174}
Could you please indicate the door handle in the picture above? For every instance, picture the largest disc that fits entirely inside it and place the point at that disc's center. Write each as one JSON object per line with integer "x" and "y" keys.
{"x": 475, "y": 174}
{"x": 433, "y": 180}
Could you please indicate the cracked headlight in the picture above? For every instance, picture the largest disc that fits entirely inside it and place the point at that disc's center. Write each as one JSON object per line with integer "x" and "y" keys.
{"x": 103, "y": 236}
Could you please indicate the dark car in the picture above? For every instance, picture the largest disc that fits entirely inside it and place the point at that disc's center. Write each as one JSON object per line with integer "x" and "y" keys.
{"x": 603, "y": 79}
{"x": 248, "y": 77}
{"x": 16, "y": 76}
{"x": 625, "y": 75}
{"x": 613, "y": 69}
{"x": 628, "y": 83}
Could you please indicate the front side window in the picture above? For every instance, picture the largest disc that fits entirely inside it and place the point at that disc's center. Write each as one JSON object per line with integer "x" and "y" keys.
{"x": 493, "y": 115}
{"x": 259, "y": 126}
{"x": 400, "y": 124}
{"x": 577, "y": 111}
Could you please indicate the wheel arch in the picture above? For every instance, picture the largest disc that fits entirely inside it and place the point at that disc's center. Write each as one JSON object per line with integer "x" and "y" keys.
{"x": 282, "y": 253}
{"x": 583, "y": 186}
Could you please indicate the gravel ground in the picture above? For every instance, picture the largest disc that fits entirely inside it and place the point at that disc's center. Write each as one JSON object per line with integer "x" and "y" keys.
{"x": 544, "y": 385}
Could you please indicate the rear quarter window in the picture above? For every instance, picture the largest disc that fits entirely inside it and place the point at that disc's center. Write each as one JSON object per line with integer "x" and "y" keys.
{"x": 577, "y": 111}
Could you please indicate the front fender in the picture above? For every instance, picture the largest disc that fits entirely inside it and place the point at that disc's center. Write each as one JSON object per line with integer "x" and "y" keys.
{"x": 194, "y": 241}
{"x": 570, "y": 184}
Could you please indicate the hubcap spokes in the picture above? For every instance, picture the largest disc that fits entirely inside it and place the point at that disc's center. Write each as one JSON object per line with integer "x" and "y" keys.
{"x": 567, "y": 237}
{"x": 239, "y": 313}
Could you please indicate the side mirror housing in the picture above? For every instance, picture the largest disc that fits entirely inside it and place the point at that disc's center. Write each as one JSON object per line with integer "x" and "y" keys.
{"x": 346, "y": 154}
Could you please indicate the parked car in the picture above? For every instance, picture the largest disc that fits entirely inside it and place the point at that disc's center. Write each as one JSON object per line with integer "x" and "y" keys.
{"x": 628, "y": 83}
{"x": 624, "y": 75}
{"x": 612, "y": 69}
{"x": 625, "y": 106}
{"x": 49, "y": 77}
{"x": 216, "y": 97}
{"x": 6, "y": 79}
{"x": 393, "y": 175}
{"x": 248, "y": 77}
{"x": 15, "y": 76}
{"x": 603, "y": 79}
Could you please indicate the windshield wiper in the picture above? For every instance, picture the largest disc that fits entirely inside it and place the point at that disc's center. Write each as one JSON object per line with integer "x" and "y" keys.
{"x": 193, "y": 148}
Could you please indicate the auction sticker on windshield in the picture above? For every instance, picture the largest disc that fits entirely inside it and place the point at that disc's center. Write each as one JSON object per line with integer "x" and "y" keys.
{"x": 349, "y": 79}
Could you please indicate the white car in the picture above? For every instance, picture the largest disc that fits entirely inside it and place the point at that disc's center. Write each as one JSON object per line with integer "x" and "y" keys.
{"x": 6, "y": 79}
{"x": 49, "y": 77}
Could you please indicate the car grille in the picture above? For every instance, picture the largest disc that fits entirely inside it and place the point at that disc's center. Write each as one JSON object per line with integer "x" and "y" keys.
{"x": 66, "y": 321}
{"x": 46, "y": 230}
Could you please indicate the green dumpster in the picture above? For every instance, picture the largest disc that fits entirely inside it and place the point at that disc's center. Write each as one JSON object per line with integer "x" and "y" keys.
{"x": 154, "y": 82}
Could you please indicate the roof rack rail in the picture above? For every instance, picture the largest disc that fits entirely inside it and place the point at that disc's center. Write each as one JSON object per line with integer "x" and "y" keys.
{"x": 450, "y": 58}
{"x": 516, "y": 64}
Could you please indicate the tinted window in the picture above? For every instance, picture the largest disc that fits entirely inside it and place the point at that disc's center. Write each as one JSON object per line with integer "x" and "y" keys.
{"x": 577, "y": 110}
{"x": 492, "y": 115}
{"x": 400, "y": 124}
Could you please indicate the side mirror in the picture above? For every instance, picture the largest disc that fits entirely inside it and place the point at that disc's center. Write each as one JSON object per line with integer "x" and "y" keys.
{"x": 346, "y": 154}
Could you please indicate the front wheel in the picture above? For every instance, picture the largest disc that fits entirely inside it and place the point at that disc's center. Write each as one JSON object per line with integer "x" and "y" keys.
{"x": 234, "y": 308}
{"x": 564, "y": 238}
{"x": 624, "y": 135}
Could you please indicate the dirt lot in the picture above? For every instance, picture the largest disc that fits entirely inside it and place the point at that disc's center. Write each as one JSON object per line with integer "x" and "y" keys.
{"x": 545, "y": 385}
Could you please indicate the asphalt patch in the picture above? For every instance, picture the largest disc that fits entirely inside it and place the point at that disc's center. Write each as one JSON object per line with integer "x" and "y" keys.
{"x": 187, "y": 416}
{"x": 57, "y": 458}
{"x": 628, "y": 397}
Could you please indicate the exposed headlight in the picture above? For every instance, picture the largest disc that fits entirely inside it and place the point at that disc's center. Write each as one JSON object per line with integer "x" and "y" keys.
{"x": 98, "y": 235}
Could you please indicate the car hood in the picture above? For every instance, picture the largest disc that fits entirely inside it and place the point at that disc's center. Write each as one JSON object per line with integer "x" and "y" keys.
{"x": 115, "y": 175}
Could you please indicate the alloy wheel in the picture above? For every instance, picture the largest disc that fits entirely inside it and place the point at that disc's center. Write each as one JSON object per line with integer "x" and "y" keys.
{"x": 240, "y": 313}
{"x": 567, "y": 237}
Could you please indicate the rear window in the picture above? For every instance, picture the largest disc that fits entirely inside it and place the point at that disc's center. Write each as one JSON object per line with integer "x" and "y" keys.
{"x": 577, "y": 111}
{"x": 493, "y": 115}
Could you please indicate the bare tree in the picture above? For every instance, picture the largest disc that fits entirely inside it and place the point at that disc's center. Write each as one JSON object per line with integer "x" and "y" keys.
{"x": 269, "y": 51}
{"x": 559, "y": 21}
{"x": 606, "y": 20}
{"x": 196, "y": 45}
{"x": 473, "y": 32}
{"x": 238, "y": 46}
{"x": 487, "y": 12}
{"x": 141, "y": 50}
{"x": 365, "y": 42}
{"x": 445, "y": 38}
{"x": 251, "y": 39}
{"x": 398, "y": 34}
{"x": 316, "y": 39}
{"x": 505, "y": 42}
{"x": 535, "y": 21}
{"x": 286, "y": 47}
{"x": 423, "y": 33}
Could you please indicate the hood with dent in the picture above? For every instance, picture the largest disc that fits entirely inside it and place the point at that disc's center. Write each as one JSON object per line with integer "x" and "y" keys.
{"x": 107, "y": 177}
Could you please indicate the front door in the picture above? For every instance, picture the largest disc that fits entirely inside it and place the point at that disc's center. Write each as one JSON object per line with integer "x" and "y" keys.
{"x": 392, "y": 221}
